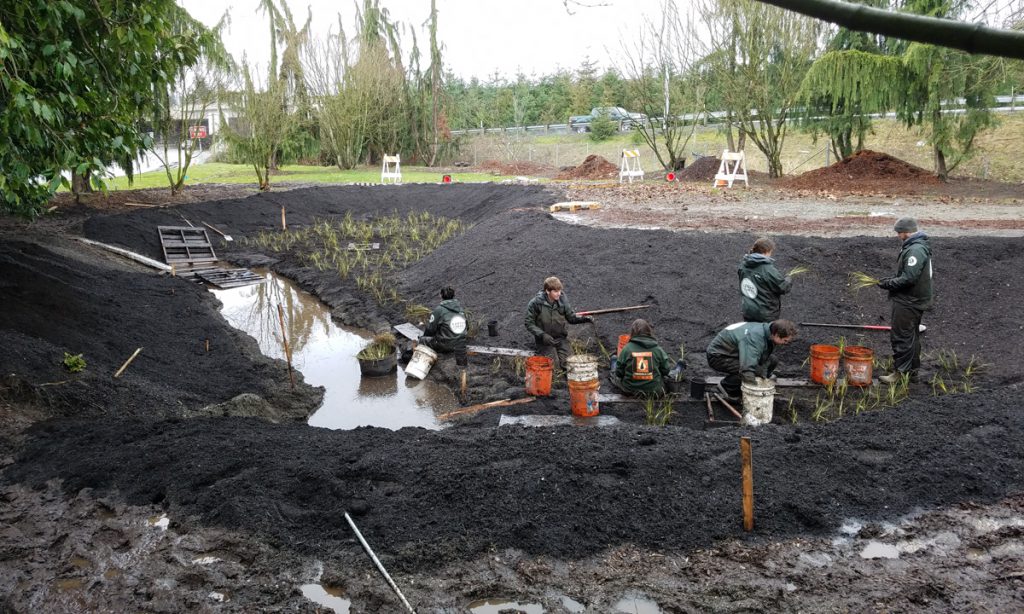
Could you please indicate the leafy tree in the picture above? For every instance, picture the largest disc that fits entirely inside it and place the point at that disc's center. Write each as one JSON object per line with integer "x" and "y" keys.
{"x": 76, "y": 78}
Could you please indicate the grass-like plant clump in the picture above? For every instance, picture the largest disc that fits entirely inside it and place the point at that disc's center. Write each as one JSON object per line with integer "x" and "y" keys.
{"x": 381, "y": 346}
{"x": 658, "y": 410}
{"x": 73, "y": 362}
{"x": 859, "y": 281}
{"x": 346, "y": 246}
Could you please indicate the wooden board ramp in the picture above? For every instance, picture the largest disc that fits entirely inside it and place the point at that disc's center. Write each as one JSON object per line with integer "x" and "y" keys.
{"x": 413, "y": 332}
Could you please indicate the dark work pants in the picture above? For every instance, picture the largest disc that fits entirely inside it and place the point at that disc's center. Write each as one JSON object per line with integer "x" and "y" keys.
{"x": 731, "y": 368}
{"x": 558, "y": 352}
{"x": 905, "y": 338}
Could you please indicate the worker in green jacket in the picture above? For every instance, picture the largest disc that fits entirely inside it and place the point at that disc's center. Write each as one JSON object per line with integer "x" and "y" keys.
{"x": 446, "y": 328}
{"x": 911, "y": 294}
{"x": 761, "y": 284}
{"x": 743, "y": 352}
{"x": 547, "y": 317}
{"x": 642, "y": 366}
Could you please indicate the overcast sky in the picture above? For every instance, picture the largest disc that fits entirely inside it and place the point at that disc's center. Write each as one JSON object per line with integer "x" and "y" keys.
{"x": 479, "y": 36}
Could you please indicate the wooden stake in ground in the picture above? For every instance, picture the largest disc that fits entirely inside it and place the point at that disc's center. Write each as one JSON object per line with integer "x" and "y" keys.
{"x": 284, "y": 339}
{"x": 748, "y": 484}
{"x": 207, "y": 345}
{"x": 284, "y": 225}
{"x": 127, "y": 362}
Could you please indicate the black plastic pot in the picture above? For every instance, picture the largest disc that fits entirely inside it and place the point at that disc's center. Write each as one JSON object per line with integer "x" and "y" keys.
{"x": 376, "y": 368}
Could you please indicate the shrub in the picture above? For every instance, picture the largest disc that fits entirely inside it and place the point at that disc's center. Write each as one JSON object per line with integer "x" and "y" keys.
{"x": 73, "y": 362}
{"x": 602, "y": 128}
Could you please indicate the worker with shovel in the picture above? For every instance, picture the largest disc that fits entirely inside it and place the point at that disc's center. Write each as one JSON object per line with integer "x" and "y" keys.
{"x": 911, "y": 294}
{"x": 642, "y": 366}
{"x": 761, "y": 284}
{"x": 446, "y": 329}
{"x": 547, "y": 315}
{"x": 743, "y": 352}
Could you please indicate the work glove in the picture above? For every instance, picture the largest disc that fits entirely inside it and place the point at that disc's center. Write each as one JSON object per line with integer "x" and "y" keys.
{"x": 587, "y": 319}
{"x": 749, "y": 378}
{"x": 885, "y": 283}
{"x": 547, "y": 339}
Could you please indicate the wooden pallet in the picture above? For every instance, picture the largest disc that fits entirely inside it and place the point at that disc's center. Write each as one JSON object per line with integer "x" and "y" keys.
{"x": 573, "y": 206}
{"x": 187, "y": 249}
{"x": 229, "y": 278}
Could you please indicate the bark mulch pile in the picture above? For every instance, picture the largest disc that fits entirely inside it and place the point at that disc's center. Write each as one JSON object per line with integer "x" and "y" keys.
{"x": 703, "y": 168}
{"x": 593, "y": 167}
{"x": 498, "y": 167}
{"x": 864, "y": 169}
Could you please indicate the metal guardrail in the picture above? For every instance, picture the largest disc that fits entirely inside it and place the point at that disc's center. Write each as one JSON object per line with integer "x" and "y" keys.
{"x": 1007, "y": 104}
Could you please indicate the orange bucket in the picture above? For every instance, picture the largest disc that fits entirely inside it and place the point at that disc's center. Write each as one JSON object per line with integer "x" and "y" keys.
{"x": 623, "y": 340}
{"x": 583, "y": 398}
{"x": 859, "y": 361}
{"x": 538, "y": 375}
{"x": 824, "y": 364}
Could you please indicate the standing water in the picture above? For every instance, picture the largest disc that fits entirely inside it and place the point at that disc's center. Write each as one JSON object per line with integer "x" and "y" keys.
{"x": 325, "y": 354}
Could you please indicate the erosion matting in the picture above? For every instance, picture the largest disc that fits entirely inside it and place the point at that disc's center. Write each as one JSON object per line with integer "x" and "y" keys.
{"x": 428, "y": 500}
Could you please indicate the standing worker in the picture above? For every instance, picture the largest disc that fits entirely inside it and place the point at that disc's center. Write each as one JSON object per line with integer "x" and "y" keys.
{"x": 743, "y": 351}
{"x": 642, "y": 367}
{"x": 546, "y": 317}
{"x": 761, "y": 284}
{"x": 911, "y": 294}
{"x": 446, "y": 329}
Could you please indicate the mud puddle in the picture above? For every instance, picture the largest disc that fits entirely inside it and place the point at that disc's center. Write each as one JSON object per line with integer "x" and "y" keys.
{"x": 325, "y": 354}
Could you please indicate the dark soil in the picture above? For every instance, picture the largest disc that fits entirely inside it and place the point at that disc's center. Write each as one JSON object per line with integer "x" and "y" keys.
{"x": 592, "y": 167}
{"x": 474, "y": 511}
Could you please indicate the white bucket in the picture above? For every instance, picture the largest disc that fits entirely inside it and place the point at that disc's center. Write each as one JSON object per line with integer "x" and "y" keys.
{"x": 581, "y": 368}
{"x": 757, "y": 401}
{"x": 422, "y": 359}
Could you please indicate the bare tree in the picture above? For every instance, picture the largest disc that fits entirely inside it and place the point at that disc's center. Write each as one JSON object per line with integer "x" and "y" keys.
{"x": 759, "y": 55}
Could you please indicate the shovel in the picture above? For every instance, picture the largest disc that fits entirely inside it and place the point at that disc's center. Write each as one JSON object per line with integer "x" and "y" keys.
{"x": 211, "y": 227}
{"x": 920, "y": 327}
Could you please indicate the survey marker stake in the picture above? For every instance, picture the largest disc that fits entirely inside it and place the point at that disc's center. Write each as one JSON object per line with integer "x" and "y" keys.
{"x": 377, "y": 562}
{"x": 127, "y": 362}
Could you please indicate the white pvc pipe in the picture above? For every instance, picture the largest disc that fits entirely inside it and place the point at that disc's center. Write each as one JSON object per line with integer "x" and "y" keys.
{"x": 130, "y": 255}
{"x": 376, "y": 561}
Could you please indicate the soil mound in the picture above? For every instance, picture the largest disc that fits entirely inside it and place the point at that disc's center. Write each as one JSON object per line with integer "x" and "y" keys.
{"x": 703, "y": 168}
{"x": 864, "y": 167}
{"x": 514, "y": 168}
{"x": 593, "y": 167}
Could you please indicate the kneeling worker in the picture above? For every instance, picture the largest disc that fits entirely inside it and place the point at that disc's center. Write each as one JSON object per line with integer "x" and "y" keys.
{"x": 743, "y": 351}
{"x": 642, "y": 366}
{"x": 446, "y": 329}
{"x": 546, "y": 317}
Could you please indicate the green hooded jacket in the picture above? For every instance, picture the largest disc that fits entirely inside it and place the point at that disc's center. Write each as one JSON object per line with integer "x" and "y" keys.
{"x": 543, "y": 316}
{"x": 642, "y": 367}
{"x": 912, "y": 285}
{"x": 749, "y": 342}
{"x": 762, "y": 287}
{"x": 447, "y": 326}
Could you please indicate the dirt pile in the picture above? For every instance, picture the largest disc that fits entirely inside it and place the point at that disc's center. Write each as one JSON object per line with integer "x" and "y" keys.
{"x": 703, "y": 168}
{"x": 867, "y": 169}
{"x": 523, "y": 167}
{"x": 593, "y": 167}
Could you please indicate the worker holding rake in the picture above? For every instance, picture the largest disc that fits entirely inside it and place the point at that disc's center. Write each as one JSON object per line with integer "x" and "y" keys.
{"x": 910, "y": 291}
{"x": 547, "y": 315}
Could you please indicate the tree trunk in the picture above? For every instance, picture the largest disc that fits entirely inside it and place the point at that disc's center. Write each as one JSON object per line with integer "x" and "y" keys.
{"x": 940, "y": 164}
{"x": 81, "y": 184}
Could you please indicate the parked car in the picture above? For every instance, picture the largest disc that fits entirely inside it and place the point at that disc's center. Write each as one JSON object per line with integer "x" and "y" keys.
{"x": 625, "y": 119}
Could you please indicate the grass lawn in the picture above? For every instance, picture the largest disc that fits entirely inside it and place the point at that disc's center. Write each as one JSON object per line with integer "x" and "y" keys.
{"x": 216, "y": 172}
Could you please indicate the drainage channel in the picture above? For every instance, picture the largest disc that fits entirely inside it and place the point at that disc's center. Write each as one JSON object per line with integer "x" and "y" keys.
{"x": 325, "y": 354}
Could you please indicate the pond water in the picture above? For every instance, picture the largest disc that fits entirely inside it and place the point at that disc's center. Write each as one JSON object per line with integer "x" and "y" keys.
{"x": 325, "y": 354}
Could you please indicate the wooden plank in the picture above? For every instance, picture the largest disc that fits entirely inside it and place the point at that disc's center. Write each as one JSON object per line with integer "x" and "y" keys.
{"x": 616, "y": 397}
{"x": 408, "y": 330}
{"x": 482, "y": 349}
{"x": 782, "y": 382}
{"x": 574, "y": 205}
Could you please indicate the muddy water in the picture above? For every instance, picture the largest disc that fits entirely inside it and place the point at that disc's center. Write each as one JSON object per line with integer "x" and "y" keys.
{"x": 325, "y": 354}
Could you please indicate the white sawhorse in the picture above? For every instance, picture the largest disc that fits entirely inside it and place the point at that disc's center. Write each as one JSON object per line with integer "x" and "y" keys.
{"x": 391, "y": 169}
{"x": 630, "y": 166}
{"x": 733, "y": 167}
